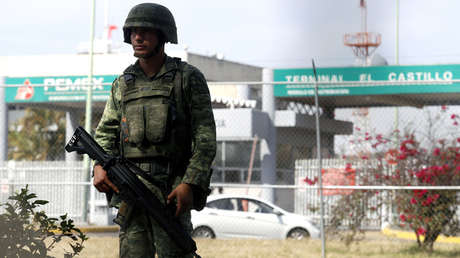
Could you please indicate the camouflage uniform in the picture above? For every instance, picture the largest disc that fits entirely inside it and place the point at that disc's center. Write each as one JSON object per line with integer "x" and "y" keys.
{"x": 181, "y": 152}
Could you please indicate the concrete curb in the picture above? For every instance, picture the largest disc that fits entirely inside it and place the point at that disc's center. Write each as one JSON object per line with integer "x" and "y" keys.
{"x": 411, "y": 236}
{"x": 98, "y": 229}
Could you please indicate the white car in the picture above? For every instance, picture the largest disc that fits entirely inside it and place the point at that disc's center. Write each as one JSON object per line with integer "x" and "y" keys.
{"x": 240, "y": 216}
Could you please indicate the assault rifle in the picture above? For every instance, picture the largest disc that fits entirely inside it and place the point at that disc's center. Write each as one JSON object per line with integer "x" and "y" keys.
{"x": 123, "y": 173}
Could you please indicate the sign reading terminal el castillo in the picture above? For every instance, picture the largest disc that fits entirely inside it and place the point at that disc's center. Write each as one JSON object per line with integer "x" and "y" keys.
{"x": 391, "y": 74}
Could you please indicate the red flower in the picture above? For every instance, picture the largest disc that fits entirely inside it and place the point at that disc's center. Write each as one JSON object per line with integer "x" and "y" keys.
{"x": 412, "y": 152}
{"x": 309, "y": 181}
{"x": 444, "y": 107}
{"x": 428, "y": 201}
{"x": 348, "y": 168}
{"x": 420, "y": 193}
{"x": 453, "y": 116}
{"x": 413, "y": 200}
{"x": 402, "y": 156}
{"x": 421, "y": 231}
{"x": 402, "y": 217}
{"x": 437, "y": 152}
{"x": 445, "y": 167}
{"x": 405, "y": 147}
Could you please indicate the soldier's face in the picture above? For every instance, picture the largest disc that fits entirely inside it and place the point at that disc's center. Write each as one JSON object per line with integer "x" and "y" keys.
{"x": 144, "y": 42}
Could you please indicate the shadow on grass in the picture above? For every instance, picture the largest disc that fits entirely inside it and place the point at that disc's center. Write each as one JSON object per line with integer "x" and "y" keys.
{"x": 416, "y": 251}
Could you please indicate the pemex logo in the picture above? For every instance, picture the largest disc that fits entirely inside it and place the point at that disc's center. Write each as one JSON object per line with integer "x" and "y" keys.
{"x": 25, "y": 92}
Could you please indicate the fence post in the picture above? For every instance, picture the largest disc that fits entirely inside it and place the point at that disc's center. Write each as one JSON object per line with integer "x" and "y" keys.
{"x": 4, "y": 118}
{"x": 242, "y": 91}
{"x": 71, "y": 124}
{"x": 268, "y": 145}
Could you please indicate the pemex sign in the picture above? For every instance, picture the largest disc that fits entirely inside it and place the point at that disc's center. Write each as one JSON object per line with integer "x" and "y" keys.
{"x": 56, "y": 89}
{"x": 396, "y": 75}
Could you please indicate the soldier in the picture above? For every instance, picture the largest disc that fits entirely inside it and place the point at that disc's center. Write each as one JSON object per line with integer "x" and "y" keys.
{"x": 159, "y": 116}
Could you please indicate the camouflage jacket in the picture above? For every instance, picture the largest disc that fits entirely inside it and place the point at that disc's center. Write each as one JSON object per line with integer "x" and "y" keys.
{"x": 203, "y": 131}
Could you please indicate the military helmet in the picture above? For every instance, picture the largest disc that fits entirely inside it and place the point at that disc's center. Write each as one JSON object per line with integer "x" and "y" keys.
{"x": 150, "y": 15}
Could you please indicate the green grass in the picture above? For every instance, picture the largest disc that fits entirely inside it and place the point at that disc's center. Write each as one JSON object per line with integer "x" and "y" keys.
{"x": 375, "y": 245}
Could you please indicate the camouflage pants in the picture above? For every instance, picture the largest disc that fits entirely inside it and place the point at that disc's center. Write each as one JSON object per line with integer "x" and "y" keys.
{"x": 141, "y": 237}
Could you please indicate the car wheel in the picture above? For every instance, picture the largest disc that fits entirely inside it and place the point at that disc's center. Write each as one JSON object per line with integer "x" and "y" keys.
{"x": 298, "y": 233}
{"x": 203, "y": 232}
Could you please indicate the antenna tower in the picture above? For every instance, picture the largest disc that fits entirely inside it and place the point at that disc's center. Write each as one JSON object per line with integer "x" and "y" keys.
{"x": 363, "y": 43}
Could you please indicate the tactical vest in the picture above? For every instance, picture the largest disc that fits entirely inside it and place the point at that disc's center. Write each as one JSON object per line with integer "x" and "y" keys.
{"x": 155, "y": 119}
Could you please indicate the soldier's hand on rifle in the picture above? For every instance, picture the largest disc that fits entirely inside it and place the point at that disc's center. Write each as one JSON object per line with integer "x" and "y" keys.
{"x": 184, "y": 195}
{"x": 101, "y": 180}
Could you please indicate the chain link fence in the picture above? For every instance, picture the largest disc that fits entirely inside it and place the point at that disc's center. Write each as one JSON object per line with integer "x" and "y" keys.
{"x": 379, "y": 163}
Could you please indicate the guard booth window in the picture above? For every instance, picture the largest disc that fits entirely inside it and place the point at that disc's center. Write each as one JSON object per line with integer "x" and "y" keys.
{"x": 231, "y": 164}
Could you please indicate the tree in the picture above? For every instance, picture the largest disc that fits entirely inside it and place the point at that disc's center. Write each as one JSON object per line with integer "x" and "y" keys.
{"x": 25, "y": 232}
{"x": 419, "y": 157}
{"x": 39, "y": 135}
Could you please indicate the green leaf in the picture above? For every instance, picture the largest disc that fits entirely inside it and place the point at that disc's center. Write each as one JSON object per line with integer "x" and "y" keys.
{"x": 41, "y": 202}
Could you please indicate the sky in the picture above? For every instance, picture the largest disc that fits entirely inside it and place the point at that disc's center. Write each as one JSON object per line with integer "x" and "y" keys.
{"x": 266, "y": 33}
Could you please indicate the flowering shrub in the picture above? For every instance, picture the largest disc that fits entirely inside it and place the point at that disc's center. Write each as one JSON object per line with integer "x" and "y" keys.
{"x": 430, "y": 213}
{"x": 418, "y": 158}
